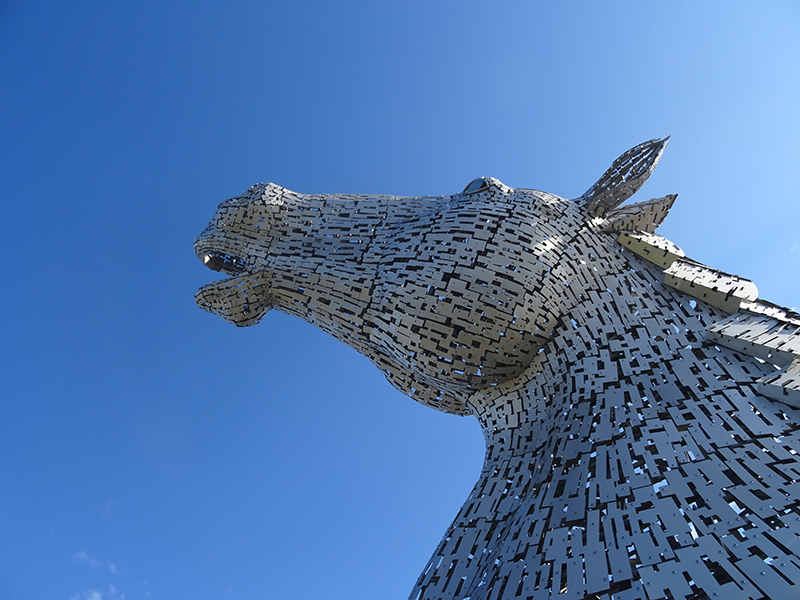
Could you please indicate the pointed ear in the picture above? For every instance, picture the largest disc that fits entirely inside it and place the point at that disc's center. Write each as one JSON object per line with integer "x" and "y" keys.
{"x": 641, "y": 216}
{"x": 625, "y": 176}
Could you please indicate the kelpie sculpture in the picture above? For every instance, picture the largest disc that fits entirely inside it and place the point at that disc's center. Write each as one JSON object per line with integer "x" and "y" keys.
{"x": 638, "y": 407}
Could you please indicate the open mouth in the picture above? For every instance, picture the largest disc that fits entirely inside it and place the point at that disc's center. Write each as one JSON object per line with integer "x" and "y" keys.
{"x": 243, "y": 298}
{"x": 230, "y": 264}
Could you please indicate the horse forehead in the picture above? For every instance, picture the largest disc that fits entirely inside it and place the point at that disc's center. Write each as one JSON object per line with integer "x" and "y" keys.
{"x": 346, "y": 215}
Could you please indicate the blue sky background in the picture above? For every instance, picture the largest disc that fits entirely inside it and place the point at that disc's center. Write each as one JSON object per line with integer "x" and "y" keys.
{"x": 148, "y": 449}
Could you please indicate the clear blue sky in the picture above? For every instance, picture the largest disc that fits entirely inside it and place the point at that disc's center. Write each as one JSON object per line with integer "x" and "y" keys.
{"x": 148, "y": 449}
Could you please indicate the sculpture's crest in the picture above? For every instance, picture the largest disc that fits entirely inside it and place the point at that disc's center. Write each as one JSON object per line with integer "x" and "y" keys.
{"x": 629, "y": 440}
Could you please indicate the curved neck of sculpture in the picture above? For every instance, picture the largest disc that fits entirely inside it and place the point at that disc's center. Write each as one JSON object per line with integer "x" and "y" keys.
{"x": 582, "y": 435}
{"x": 617, "y": 317}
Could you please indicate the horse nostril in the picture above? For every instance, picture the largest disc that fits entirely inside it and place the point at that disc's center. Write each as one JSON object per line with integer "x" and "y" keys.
{"x": 212, "y": 262}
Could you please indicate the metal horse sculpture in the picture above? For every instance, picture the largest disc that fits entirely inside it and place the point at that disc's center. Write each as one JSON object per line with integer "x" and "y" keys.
{"x": 641, "y": 440}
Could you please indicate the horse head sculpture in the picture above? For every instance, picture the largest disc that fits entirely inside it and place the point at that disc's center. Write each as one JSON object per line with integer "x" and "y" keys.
{"x": 614, "y": 378}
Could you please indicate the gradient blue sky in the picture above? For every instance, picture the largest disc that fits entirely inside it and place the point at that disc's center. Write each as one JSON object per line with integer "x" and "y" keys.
{"x": 148, "y": 449}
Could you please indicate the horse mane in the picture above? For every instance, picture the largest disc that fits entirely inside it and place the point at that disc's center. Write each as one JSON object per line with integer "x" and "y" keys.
{"x": 756, "y": 327}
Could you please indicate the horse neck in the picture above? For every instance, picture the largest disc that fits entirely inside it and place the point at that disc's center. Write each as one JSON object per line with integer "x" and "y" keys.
{"x": 611, "y": 344}
{"x": 577, "y": 447}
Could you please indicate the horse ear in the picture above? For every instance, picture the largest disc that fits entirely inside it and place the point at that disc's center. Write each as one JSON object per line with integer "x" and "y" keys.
{"x": 640, "y": 216}
{"x": 625, "y": 176}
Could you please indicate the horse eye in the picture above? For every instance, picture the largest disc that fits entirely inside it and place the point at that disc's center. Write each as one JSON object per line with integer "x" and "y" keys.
{"x": 476, "y": 185}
